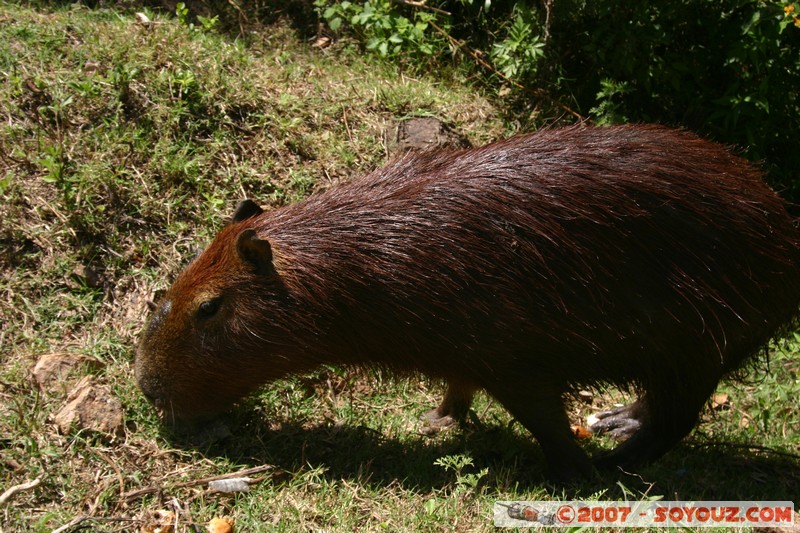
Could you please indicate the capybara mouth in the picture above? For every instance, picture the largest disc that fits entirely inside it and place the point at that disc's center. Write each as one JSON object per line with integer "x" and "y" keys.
{"x": 177, "y": 418}
{"x": 196, "y": 431}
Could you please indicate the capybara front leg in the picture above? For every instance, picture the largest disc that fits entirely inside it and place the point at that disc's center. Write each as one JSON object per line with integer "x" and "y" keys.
{"x": 454, "y": 406}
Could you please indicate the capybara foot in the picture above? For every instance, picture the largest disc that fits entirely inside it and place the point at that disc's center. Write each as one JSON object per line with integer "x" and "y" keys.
{"x": 621, "y": 423}
{"x": 435, "y": 419}
{"x": 454, "y": 407}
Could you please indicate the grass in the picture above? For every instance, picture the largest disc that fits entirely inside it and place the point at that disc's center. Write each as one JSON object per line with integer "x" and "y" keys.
{"x": 123, "y": 148}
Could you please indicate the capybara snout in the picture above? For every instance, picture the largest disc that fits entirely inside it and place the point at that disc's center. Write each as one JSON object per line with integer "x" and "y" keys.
{"x": 637, "y": 256}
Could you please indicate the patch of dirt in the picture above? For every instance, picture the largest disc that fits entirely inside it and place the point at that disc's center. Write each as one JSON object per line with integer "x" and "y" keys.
{"x": 424, "y": 133}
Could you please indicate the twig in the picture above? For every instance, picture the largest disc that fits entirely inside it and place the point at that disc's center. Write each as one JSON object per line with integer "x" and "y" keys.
{"x": 120, "y": 478}
{"x": 346, "y": 125}
{"x": 239, "y": 9}
{"x": 74, "y": 522}
{"x": 548, "y": 11}
{"x": 535, "y": 92}
{"x": 486, "y": 410}
{"x": 11, "y": 491}
{"x": 129, "y": 496}
{"x": 85, "y": 518}
{"x": 241, "y": 473}
{"x": 422, "y": 5}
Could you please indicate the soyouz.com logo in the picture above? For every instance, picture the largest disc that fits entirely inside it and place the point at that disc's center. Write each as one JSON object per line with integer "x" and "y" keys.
{"x": 644, "y": 514}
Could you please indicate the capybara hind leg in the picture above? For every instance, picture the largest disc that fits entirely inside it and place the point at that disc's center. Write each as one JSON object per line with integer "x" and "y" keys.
{"x": 542, "y": 413}
{"x": 621, "y": 423}
{"x": 454, "y": 406}
{"x": 664, "y": 421}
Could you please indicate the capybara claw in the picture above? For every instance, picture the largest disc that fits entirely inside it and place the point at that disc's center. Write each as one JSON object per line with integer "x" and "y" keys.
{"x": 619, "y": 423}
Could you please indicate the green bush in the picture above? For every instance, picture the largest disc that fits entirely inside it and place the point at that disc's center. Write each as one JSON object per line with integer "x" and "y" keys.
{"x": 383, "y": 28}
{"x": 728, "y": 70}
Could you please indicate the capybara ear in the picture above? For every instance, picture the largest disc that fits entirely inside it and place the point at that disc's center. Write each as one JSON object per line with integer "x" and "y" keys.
{"x": 246, "y": 209}
{"x": 255, "y": 251}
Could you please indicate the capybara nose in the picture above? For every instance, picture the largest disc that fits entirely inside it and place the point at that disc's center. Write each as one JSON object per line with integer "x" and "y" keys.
{"x": 151, "y": 391}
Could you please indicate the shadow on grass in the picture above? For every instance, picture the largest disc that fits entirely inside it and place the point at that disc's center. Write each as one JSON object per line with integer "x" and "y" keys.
{"x": 515, "y": 463}
{"x": 363, "y": 454}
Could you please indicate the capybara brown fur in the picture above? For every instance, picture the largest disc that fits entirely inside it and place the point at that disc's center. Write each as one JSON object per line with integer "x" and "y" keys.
{"x": 637, "y": 256}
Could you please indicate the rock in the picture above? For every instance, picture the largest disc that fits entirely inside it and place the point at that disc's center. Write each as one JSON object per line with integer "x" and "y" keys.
{"x": 91, "y": 406}
{"x": 586, "y": 396}
{"x": 52, "y": 369}
{"x": 423, "y": 133}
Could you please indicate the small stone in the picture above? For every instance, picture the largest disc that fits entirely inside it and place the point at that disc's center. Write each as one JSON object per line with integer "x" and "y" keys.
{"x": 87, "y": 276}
{"x": 91, "y": 406}
{"x": 422, "y": 133}
{"x": 720, "y": 401}
{"x": 53, "y": 368}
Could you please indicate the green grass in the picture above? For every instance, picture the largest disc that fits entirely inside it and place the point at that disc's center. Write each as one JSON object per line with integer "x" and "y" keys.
{"x": 123, "y": 148}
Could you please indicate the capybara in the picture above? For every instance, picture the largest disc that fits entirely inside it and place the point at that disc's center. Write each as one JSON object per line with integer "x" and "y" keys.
{"x": 637, "y": 256}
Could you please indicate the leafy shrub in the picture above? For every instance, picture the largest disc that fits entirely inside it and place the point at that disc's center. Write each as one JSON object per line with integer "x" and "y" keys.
{"x": 383, "y": 28}
{"x": 728, "y": 70}
{"x": 518, "y": 54}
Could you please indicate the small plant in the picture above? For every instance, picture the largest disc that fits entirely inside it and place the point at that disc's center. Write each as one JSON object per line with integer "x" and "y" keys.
{"x": 5, "y": 181}
{"x": 53, "y": 161}
{"x": 182, "y": 12}
{"x": 518, "y": 55}
{"x": 384, "y": 30}
{"x": 791, "y": 16}
{"x": 610, "y": 102}
{"x": 207, "y": 24}
{"x": 466, "y": 483}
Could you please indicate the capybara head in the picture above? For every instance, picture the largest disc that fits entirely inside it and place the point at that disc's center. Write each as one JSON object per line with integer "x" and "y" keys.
{"x": 203, "y": 346}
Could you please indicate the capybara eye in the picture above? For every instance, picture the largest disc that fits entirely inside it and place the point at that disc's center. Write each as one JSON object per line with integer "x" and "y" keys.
{"x": 208, "y": 308}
